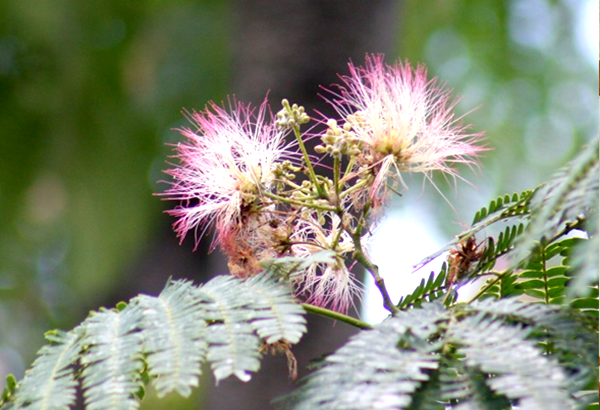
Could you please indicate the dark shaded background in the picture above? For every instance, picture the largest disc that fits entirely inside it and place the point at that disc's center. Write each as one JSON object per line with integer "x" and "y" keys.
{"x": 90, "y": 92}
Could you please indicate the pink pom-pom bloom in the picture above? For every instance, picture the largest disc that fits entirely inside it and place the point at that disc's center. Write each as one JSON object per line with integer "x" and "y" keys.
{"x": 225, "y": 166}
{"x": 403, "y": 122}
{"x": 329, "y": 285}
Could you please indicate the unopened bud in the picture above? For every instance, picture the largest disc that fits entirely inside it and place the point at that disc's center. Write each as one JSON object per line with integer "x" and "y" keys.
{"x": 304, "y": 118}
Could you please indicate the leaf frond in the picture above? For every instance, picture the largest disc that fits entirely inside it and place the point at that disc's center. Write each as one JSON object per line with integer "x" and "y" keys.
{"x": 174, "y": 334}
{"x": 565, "y": 333}
{"x": 50, "y": 383}
{"x": 379, "y": 368}
{"x": 112, "y": 360}
{"x": 429, "y": 290}
{"x": 570, "y": 194}
{"x": 503, "y": 207}
{"x": 521, "y": 371}
{"x": 275, "y": 318}
{"x": 490, "y": 355}
{"x": 162, "y": 340}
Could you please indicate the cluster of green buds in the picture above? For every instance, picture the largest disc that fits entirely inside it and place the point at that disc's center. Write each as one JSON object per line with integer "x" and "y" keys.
{"x": 339, "y": 141}
{"x": 285, "y": 170}
{"x": 282, "y": 172}
{"x": 291, "y": 116}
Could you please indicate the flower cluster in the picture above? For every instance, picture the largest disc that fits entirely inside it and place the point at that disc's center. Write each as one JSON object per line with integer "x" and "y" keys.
{"x": 237, "y": 174}
{"x": 402, "y": 122}
{"x": 226, "y": 166}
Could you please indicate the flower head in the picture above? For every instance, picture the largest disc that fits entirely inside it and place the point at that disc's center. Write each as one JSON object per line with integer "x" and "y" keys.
{"x": 330, "y": 284}
{"x": 402, "y": 122}
{"x": 225, "y": 166}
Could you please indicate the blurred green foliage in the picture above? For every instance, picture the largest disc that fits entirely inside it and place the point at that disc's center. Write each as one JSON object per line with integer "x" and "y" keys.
{"x": 525, "y": 80}
{"x": 89, "y": 93}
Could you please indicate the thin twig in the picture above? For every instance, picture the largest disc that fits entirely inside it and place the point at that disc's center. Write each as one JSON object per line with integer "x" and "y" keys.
{"x": 361, "y": 258}
{"x": 499, "y": 276}
{"x": 336, "y": 316}
{"x": 311, "y": 171}
{"x": 299, "y": 203}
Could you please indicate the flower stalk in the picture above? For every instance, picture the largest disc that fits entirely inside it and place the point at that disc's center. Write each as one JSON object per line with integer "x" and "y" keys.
{"x": 296, "y": 118}
{"x": 373, "y": 269}
{"x": 340, "y": 317}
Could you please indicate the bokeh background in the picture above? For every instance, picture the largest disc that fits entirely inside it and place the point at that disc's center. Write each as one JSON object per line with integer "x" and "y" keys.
{"x": 90, "y": 92}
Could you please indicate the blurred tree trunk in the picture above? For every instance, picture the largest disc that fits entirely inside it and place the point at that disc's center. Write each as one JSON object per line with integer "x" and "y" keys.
{"x": 291, "y": 48}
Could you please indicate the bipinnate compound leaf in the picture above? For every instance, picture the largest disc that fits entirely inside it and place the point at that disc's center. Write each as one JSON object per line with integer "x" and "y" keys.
{"x": 163, "y": 340}
{"x": 50, "y": 383}
{"x": 112, "y": 359}
{"x": 174, "y": 334}
{"x": 490, "y": 355}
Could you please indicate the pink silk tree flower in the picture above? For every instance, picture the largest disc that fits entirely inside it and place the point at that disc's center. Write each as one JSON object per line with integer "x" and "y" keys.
{"x": 225, "y": 166}
{"x": 403, "y": 122}
{"x": 328, "y": 285}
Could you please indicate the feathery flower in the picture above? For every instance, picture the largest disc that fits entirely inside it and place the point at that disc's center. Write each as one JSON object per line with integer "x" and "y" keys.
{"x": 226, "y": 164}
{"x": 331, "y": 285}
{"x": 402, "y": 122}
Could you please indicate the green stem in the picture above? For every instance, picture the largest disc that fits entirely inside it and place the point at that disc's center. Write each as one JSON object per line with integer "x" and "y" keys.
{"x": 336, "y": 177}
{"x": 354, "y": 188}
{"x": 361, "y": 258}
{"x": 338, "y": 234}
{"x": 545, "y": 272}
{"x": 336, "y": 316}
{"x": 294, "y": 185}
{"x": 299, "y": 203}
{"x": 373, "y": 269}
{"x": 499, "y": 276}
{"x": 311, "y": 171}
{"x": 349, "y": 167}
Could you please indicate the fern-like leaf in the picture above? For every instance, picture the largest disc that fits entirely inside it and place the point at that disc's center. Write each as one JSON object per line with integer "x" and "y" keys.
{"x": 174, "y": 338}
{"x": 428, "y": 290}
{"x": 490, "y": 355}
{"x": 237, "y": 310}
{"x": 379, "y": 368}
{"x": 521, "y": 371}
{"x": 570, "y": 194}
{"x": 460, "y": 382}
{"x": 50, "y": 383}
{"x": 274, "y": 317}
{"x": 233, "y": 346}
{"x": 569, "y": 335}
{"x": 503, "y": 207}
{"x": 112, "y": 362}
{"x": 164, "y": 339}
{"x": 540, "y": 279}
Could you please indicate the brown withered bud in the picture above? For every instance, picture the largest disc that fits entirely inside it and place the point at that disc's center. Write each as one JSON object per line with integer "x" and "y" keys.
{"x": 460, "y": 259}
